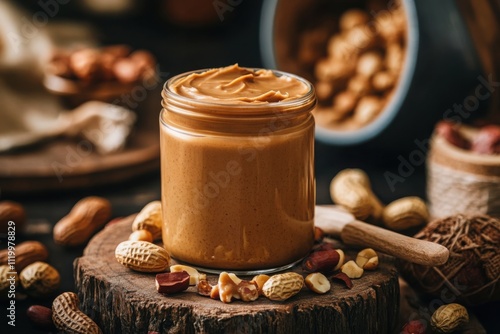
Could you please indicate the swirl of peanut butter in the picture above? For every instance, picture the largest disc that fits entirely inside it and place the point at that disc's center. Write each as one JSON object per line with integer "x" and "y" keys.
{"x": 235, "y": 85}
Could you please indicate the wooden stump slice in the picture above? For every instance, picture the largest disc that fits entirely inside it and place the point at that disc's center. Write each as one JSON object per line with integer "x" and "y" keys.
{"x": 124, "y": 301}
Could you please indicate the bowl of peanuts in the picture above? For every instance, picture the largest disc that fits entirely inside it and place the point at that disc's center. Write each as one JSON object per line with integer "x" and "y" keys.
{"x": 384, "y": 71}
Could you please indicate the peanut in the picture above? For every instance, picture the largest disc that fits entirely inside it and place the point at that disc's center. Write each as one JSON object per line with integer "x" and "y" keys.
{"x": 7, "y": 278}
{"x": 449, "y": 318}
{"x": 280, "y": 287}
{"x": 353, "y": 18}
{"x": 341, "y": 259}
{"x": 404, "y": 213}
{"x": 367, "y": 109}
{"x": 318, "y": 283}
{"x": 41, "y": 317}
{"x": 40, "y": 279}
{"x": 367, "y": 259}
{"x": 11, "y": 211}
{"x": 351, "y": 189}
{"x": 142, "y": 256}
{"x": 69, "y": 318}
{"x": 149, "y": 218}
{"x": 194, "y": 275}
{"x": 27, "y": 252}
{"x": 260, "y": 280}
{"x": 87, "y": 216}
{"x": 141, "y": 235}
{"x": 352, "y": 270}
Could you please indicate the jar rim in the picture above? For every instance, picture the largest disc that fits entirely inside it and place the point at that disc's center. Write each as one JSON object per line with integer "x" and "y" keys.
{"x": 243, "y": 108}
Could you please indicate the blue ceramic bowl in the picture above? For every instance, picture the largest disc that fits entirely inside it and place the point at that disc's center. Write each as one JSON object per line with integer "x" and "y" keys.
{"x": 441, "y": 69}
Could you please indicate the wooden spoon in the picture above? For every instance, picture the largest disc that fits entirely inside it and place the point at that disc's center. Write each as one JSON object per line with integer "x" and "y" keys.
{"x": 338, "y": 222}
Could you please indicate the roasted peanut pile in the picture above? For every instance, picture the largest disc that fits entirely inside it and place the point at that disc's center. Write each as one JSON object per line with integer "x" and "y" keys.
{"x": 364, "y": 58}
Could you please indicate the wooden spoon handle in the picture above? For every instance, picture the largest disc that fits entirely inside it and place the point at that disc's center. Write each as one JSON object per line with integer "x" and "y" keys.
{"x": 410, "y": 249}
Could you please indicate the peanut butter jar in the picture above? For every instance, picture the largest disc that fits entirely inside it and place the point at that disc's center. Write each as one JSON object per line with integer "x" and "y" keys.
{"x": 237, "y": 167}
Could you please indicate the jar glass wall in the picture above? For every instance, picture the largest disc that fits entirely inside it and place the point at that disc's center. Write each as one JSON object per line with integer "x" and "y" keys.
{"x": 238, "y": 187}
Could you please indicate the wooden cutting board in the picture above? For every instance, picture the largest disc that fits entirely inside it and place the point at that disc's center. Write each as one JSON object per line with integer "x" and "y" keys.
{"x": 67, "y": 164}
{"x": 124, "y": 301}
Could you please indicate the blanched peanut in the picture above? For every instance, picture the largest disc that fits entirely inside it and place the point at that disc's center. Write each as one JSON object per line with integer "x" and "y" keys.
{"x": 353, "y": 18}
{"x": 367, "y": 109}
{"x": 369, "y": 64}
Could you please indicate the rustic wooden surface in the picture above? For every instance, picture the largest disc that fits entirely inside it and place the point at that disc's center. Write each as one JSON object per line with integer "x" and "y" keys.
{"x": 123, "y": 301}
{"x": 63, "y": 164}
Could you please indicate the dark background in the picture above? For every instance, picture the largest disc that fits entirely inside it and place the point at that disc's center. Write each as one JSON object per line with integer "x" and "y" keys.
{"x": 181, "y": 48}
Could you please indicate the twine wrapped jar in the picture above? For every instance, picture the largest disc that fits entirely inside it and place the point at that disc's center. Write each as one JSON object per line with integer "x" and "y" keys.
{"x": 461, "y": 181}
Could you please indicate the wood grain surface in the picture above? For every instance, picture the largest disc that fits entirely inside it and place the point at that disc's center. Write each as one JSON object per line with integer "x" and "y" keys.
{"x": 121, "y": 300}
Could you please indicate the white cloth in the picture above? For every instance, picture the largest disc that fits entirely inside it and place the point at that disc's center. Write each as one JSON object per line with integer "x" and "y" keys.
{"x": 28, "y": 113}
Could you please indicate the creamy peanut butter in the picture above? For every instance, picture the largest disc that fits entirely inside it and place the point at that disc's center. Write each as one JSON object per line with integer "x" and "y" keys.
{"x": 234, "y": 84}
{"x": 238, "y": 192}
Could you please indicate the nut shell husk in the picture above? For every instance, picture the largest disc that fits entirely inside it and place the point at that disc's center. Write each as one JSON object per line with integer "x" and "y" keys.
{"x": 472, "y": 272}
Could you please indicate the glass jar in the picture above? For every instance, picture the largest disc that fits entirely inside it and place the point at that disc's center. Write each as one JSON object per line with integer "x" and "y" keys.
{"x": 238, "y": 187}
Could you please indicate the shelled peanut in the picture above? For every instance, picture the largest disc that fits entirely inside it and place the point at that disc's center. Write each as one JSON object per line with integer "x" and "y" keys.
{"x": 363, "y": 62}
{"x": 351, "y": 189}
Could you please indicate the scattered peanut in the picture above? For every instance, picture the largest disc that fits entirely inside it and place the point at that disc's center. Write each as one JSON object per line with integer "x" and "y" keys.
{"x": 27, "y": 252}
{"x": 69, "y": 318}
{"x": 142, "y": 256}
{"x": 8, "y": 281}
{"x": 367, "y": 259}
{"x": 404, "y": 213}
{"x": 41, "y": 317}
{"x": 321, "y": 261}
{"x": 40, "y": 279}
{"x": 341, "y": 259}
{"x": 150, "y": 218}
{"x": 449, "y": 318}
{"x": 260, "y": 280}
{"x": 141, "y": 235}
{"x": 194, "y": 275}
{"x": 283, "y": 286}
{"x": 318, "y": 283}
{"x": 11, "y": 211}
{"x": 351, "y": 189}
{"x": 85, "y": 218}
{"x": 352, "y": 270}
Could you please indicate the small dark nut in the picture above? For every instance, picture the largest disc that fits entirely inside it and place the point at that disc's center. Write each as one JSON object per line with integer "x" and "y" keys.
{"x": 344, "y": 278}
{"x": 487, "y": 141}
{"x": 321, "y": 261}
{"x": 169, "y": 283}
{"x": 41, "y": 317}
{"x": 414, "y": 327}
{"x": 449, "y": 131}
